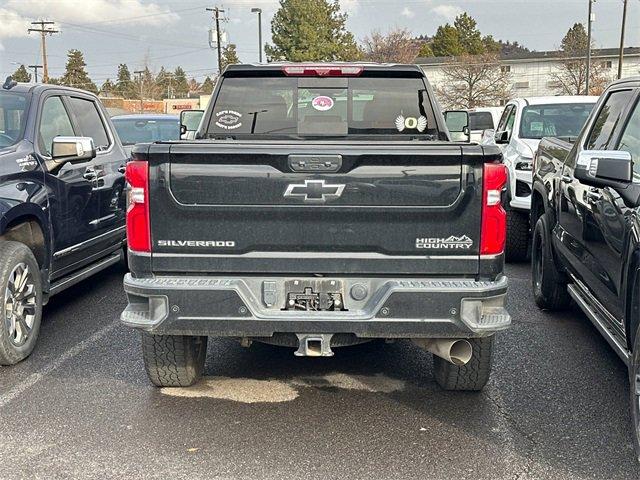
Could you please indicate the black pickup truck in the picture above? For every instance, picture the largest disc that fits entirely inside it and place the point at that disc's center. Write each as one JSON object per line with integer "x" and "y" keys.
{"x": 319, "y": 206}
{"x": 586, "y": 224}
{"x": 62, "y": 202}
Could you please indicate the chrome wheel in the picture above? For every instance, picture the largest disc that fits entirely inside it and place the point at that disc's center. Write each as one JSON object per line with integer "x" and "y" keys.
{"x": 20, "y": 304}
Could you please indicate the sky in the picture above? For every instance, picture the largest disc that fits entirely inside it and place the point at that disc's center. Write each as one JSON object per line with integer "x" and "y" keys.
{"x": 175, "y": 32}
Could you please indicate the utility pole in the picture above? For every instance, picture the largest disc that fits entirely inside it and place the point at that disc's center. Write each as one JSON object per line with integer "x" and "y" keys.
{"x": 216, "y": 16}
{"x": 591, "y": 18}
{"x": 44, "y": 30}
{"x": 621, "y": 55}
{"x": 35, "y": 71}
{"x": 259, "y": 12}
{"x": 139, "y": 73}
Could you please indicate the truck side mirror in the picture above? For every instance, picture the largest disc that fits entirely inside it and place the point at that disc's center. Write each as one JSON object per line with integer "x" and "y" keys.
{"x": 457, "y": 122}
{"x": 501, "y": 137}
{"x": 608, "y": 168}
{"x": 72, "y": 149}
{"x": 190, "y": 121}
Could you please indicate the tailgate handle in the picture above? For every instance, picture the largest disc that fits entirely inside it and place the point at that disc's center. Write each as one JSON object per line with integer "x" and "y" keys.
{"x": 315, "y": 163}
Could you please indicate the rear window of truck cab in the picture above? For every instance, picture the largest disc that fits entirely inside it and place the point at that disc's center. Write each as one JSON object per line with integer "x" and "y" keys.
{"x": 281, "y": 106}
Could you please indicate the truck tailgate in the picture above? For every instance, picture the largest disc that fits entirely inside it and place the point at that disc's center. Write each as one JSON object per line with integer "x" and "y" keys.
{"x": 316, "y": 207}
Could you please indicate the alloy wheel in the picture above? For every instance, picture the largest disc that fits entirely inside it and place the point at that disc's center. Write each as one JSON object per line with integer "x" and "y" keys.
{"x": 20, "y": 304}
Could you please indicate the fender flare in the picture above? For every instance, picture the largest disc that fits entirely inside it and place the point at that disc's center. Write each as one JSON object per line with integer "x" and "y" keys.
{"x": 29, "y": 211}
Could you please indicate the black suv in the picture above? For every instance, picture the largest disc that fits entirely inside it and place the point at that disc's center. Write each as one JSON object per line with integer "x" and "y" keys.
{"x": 62, "y": 202}
{"x": 586, "y": 223}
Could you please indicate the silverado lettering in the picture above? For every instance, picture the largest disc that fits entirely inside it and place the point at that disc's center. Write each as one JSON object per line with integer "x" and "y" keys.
{"x": 196, "y": 243}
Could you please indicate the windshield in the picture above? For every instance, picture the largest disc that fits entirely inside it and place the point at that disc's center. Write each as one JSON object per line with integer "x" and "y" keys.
{"x": 13, "y": 109}
{"x": 335, "y": 106}
{"x": 137, "y": 130}
{"x": 559, "y": 120}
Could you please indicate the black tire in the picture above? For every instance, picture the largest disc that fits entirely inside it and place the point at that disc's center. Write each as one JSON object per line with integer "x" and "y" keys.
{"x": 173, "y": 360}
{"x": 517, "y": 246}
{"x": 472, "y": 376}
{"x": 634, "y": 382}
{"x": 548, "y": 283}
{"x": 17, "y": 259}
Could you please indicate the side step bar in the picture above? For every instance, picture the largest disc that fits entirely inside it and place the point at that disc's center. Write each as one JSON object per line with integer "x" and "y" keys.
{"x": 599, "y": 323}
{"x": 80, "y": 275}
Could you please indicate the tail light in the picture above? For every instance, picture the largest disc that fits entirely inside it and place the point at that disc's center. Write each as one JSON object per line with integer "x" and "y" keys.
{"x": 325, "y": 70}
{"x": 493, "y": 231}
{"x": 138, "y": 234}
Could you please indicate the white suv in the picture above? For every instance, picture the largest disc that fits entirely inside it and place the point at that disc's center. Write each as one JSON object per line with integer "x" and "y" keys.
{"x": 523, "y": 123}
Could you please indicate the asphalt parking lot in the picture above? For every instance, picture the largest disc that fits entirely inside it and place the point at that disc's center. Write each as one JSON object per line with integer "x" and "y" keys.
{"x": 81, "y": 407}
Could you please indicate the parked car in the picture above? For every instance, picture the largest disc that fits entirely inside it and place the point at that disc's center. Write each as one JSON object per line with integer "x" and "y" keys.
{"x": 524, "y": 122}
{"x": 145, "y": 128}
{"x": 306, "y": 216}
{"x": 482, "y": 119}
{"x": 586, "y": 237}
{"x": 62, "y": 202}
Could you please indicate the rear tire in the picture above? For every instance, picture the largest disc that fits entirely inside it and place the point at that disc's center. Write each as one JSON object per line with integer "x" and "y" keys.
{"x": 517, "y": 245}
{"x": 549, "y": 285}
{"x": 472, "y": 376}
{"x": 21, "y": 302}
{"x": 173, "y": 360}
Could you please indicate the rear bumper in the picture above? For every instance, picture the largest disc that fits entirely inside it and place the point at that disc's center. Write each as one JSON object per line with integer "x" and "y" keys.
{"x": 391, "y": 308}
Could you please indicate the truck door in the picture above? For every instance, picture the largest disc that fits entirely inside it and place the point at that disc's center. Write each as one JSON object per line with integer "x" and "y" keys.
{"x": 107, "y": 169}
{"x": 73, "y": 206}
{"x": 593, "y": 219}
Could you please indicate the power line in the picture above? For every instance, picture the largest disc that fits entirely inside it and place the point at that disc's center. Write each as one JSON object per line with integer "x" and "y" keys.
{"x": 44, "y": 30}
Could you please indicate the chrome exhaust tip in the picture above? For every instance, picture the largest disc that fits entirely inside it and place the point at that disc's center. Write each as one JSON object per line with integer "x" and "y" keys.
{"x": 454, "y": 350}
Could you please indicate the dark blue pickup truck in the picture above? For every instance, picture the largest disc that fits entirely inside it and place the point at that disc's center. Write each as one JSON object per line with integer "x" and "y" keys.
{"x": 62, "y": 202}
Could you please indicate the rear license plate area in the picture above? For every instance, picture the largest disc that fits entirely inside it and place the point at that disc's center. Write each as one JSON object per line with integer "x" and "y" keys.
{"x": 314, "y": 295}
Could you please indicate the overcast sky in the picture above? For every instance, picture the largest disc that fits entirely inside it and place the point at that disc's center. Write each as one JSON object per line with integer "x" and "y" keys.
{"x": 175, "y": 32}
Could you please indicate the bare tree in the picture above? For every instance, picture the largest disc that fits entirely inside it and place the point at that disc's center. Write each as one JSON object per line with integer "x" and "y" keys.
{"x": 398, "y": 46}
{"x": 474, "y": 81}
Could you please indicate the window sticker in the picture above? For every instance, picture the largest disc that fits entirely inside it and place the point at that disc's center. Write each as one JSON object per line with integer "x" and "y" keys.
{"x": 322, "y": 103}
{"x": 411, "y": 123}
{"x": 537, "y": 126}
{"x": 228, "y": 119}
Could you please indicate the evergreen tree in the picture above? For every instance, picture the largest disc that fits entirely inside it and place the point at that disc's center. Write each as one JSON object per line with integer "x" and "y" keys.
{"x": 75, "y": 74}
{"x": 124, "y": 85}
{"x": 21, "y": 75}
{"x": 425, "y": 50}
{"x": 180, "y": 84}
{"x": 446, "y": 42}
{"x": 207, "y": 86}
{"x": 311, "y": 30}
{"x": 164, "y": 82}
{"x": 229, "y": 56}
{"x": 469, "y": 35}
{"x": 108, "y": 88}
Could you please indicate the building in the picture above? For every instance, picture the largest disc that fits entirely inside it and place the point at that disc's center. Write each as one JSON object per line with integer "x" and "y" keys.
{"x": 532, "y": 72}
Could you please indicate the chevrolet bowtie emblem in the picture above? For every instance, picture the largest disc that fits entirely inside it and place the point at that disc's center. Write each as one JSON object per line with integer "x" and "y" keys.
{"x": 314, "y": 191}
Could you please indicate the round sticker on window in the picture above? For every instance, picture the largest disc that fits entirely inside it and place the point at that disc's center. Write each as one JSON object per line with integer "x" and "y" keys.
{"x": 322, "y": 103}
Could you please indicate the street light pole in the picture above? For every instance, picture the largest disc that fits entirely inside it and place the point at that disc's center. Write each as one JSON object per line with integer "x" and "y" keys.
{"x": 35, "y": 71}
{"x": 591, "y": 2}
{"x": 139, "y": 73}
{"x": 259, "y": 12}
{"x": 621, "y": 55}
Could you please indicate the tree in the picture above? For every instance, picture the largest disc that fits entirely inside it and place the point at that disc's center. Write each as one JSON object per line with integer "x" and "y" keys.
{"x": 425, "y": 50}
{"x": 124, "y": 84}
{"x": 75, "y": 74}
{"x": 571, "y": 76}
{"x": 229, "y": 56}
{"x": 21, "y": 75}
{"x": 164, "y": 83}
{"x": 398, "y": 46}
{"x": 311, "y": 30}
{"x": 207, "y": 86}
{"x": 469, "y": 35}
{"x": 194, "y": 88}
{"x": 181, "y": 86}
{"x": 107, "y": 88}
{"x": 474, "y": 81}
{"x": 446, "y": 42}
